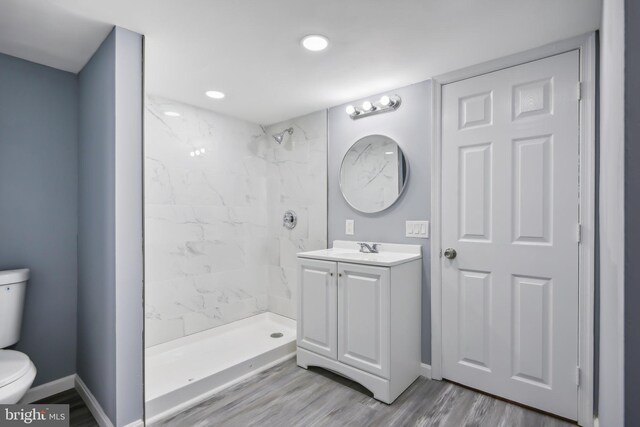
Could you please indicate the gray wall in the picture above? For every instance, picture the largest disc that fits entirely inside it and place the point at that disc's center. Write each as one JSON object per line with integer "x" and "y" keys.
{"x": 410, "y": 126}
{"x": 632, "y": 213}
{"x": 129, "y": 202}
{"x": 38, "y": 188}
{"x": 96, "y": 227}
{"x": 110, "y": 227}
{"x": 611, "y": 217}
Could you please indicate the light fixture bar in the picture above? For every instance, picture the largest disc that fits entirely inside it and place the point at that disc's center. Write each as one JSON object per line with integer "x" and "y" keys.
{"x": 384, "y": 105}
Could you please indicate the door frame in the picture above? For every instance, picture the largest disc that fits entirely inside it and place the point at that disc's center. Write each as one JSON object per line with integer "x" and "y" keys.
{"x": 586, "y": 45}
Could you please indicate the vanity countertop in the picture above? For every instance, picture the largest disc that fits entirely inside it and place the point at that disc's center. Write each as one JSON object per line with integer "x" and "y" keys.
{"x": 389, "y": 254}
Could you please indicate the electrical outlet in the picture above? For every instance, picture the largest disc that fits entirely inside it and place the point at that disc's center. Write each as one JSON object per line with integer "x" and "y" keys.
{"x": 417, "y": 229}
{"x": 349, "y": 227}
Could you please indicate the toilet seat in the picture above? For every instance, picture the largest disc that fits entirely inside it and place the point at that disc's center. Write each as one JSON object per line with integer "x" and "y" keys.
{"x": 13, "y": 366}
{"x": 17, "y": 373}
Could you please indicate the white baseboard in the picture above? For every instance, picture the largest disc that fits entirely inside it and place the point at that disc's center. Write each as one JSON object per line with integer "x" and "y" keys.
{"x": 93, "y": 405}
{"x": 49, "y": 389}
{"x": 425, "y": 370}
{"x": 67, "y": 383}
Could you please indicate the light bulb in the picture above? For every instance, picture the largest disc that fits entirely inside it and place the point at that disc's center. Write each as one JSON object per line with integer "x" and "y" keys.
{"x": 367, "y": 106}
{"x": 351, "y": 110}
{"x": 385, "y": 100}
{"x": 192, "y": 154}
{"x": 197, "y": 152}
{"x": 202, "y": 150}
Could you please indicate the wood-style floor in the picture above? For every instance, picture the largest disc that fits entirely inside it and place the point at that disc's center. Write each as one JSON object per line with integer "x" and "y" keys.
{"x": 79, "y": 414}
{"x": 287, "y": 396}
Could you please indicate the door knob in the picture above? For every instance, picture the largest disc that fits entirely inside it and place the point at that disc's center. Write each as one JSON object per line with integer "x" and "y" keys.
{"x": 450, "y": 253}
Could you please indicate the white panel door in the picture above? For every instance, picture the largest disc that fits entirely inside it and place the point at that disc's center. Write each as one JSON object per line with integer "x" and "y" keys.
{"x": 363, "y": 317}
{"x": 317, "y": 307}
{"x": 510, "y": 210}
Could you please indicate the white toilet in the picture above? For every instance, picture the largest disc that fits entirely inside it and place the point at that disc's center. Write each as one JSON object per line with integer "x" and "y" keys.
{"x": 16, "y": 369}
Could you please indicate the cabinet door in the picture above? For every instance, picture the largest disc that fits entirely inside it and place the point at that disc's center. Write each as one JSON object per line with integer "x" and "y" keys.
{"x": 363, "y": 317}
{"x": 317, "y": 307}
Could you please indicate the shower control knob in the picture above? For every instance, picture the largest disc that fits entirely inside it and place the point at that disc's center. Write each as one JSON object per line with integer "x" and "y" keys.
{"x": 289, "y": 220}
{"x": 450, "y": 253}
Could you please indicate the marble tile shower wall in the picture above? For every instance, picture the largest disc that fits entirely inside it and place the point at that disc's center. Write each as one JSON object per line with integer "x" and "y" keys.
{"x": 297, "y": 180}
{"x": 215, "y": 188}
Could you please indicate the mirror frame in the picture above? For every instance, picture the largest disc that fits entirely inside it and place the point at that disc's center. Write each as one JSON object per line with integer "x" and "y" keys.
{"x": 404, "y": 185}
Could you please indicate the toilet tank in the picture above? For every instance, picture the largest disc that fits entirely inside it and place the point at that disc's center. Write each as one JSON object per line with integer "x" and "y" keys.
{"x": 13, "y": 285}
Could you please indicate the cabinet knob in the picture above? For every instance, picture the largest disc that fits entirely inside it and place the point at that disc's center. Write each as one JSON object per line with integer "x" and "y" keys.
{"x": 331, "y": 274}
{"x": 339, "y": 274}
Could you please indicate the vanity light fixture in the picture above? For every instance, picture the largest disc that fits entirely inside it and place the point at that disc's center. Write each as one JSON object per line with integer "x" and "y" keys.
{"x": 383, "y": 105}
{"x": 215, "y": 94}
{"x": 172, "y": 114}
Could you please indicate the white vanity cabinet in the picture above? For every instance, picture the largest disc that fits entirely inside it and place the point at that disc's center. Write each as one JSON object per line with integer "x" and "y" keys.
{"x": 363, "y": 317}
{"x": 359, "y": 315}
{"x": 317, "y": 298}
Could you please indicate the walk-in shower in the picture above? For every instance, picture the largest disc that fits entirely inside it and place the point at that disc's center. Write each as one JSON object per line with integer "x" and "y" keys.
{"x": 220, "y": 276}
{"x": 279, "y": 137}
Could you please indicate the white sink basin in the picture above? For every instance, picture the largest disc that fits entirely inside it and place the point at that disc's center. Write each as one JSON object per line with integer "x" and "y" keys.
{"x": 389, "y": 254}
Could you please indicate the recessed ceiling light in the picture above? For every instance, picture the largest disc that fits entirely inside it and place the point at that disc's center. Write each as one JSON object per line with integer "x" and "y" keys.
{"x": 315, "y": 42}
{"x": 172, "y": 114}
{"x": 215, "y": 94}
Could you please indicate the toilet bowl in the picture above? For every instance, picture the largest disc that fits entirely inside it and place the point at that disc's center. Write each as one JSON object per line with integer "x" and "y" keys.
{"x": 17, "y": 372}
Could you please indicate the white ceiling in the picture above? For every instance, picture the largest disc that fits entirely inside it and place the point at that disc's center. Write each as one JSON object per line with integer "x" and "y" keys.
{"x": 250, "y": 49}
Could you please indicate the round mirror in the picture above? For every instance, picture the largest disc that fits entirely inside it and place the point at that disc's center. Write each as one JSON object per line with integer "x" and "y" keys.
{"x": 374, "y": 173}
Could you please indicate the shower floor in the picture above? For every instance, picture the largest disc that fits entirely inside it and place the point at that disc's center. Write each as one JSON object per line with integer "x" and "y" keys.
{"x": 183, "y": 372}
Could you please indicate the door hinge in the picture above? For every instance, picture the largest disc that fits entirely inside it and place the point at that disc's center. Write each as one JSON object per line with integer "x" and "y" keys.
{"x": 579, "y": 91}
{"x": 578, "y": 376}
{"x": 440, "y": 252}
{"x": 579, "y": 233}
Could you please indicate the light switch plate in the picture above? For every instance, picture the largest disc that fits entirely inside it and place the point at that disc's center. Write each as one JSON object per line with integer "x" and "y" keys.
{"x": 348, "y": 227}
{"x": 417, "y": 229}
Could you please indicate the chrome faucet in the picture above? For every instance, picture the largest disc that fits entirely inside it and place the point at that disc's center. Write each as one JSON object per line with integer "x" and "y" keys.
{"x": 366, "y": 248}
